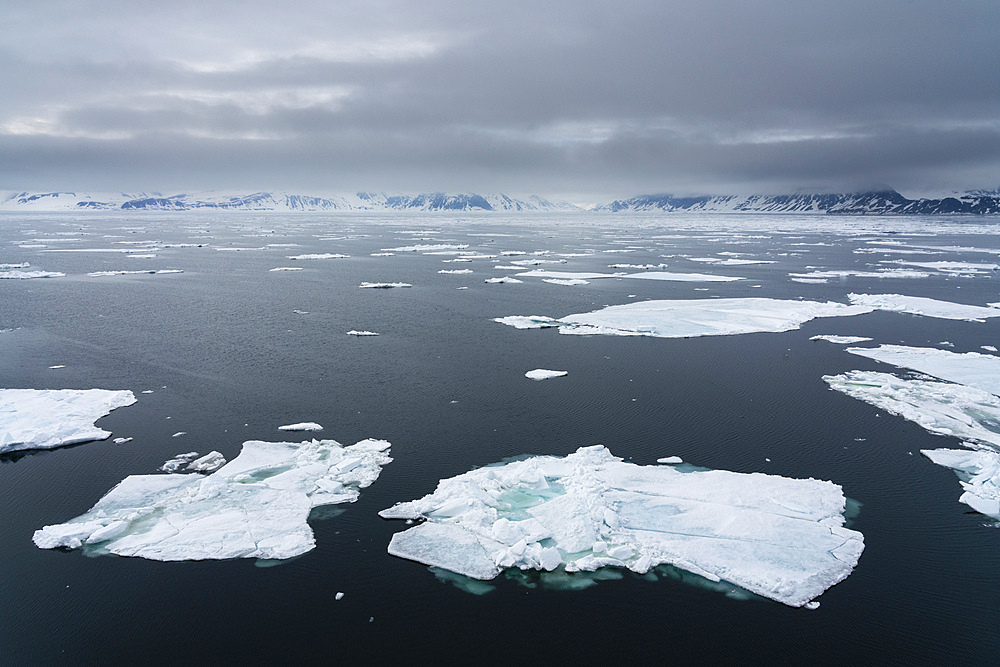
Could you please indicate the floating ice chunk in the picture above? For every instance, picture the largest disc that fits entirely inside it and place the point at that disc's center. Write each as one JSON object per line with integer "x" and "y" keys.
{"x": 46, "y": 418}
{"x": 25, "y": 275}
{"x": 979, "y": 472}
{"x": 103, "y": 274}
{"x": 302, "y": 426}
{"x": 322, "y": 255}
{"x": 355, "y": 332}
{"x": 456, "y": 272}
{"x": 178, "y": 462}
{"x": 566, "y": 282}
{"x": 969, "y": 368}
{"x": 988, "y": 348}
{"x": 384, "y": 285}
{"x": 670, "y": 460}
{"x": 730, "y": 261}
{"x": 939, "y": 407}
{"x": 692, "y": 317}
{"x": 885, "y": 273}
{"x": 255, "y": 506}
{"x": 780, "y": 538}
{"x": 684, "y": 277}
{"x": 918, "y": 305}
{"x": 208, "y": 463}
{"x": 427, "y": 247}
{"x": 286, "y": 268}
{"x": 505, "y": 279}
{"x": 543, "y": 374}
{"x": 7, "y": 267}
{"x": 121, "y": 441}
{"x": 566, "y": 275}
{"x": 840, "y": 340}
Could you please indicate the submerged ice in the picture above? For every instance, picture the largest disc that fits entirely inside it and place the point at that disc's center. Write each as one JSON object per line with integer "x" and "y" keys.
{"x": 255, "y": 506}
{"x": 46, "y": 418}
{"x": 778, "y": 537}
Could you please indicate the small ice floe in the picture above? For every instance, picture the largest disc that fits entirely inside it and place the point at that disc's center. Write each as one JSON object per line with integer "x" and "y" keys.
{"x": 504, "y": 279}
{"x": 566, "y": 275}
{"x": 691, "y": 317}
{"x": 456, "y": 272}
{"x": 543, "y": 374}
{"x": 988, "y": 348}
{"x": 884, "y": 273}
{"x": 47, "y": 418}
{"x": 840, "y": 340}
{"x": 637, "y": 266}
{"x": 8, "y": 267}
{"x": 103, "y": 274}
{"x": 382, "y": 254}
{"x": 208, "y": 463}
{"x": 322, "y": 255}
{"x": 918, "y": 305}
{"x": 781, "y": 538}
{"x": 566, "y": 282}
{"x": 670, "y": 460}
{"x": 355, "y": 332}
{"x": 684, "y": 277}
{"x": 26, "y": 275}
{"x": 979, "y": 475}
{"x": 121, "y": 441}
{"x": 255, "y": 506}
{"x": 178, "y": 462}
{"x": 179, "y": 434}
{"x": 384, "y": 285}
{"x": 301, "y": 426}
{"x": 57, "y": 366}
{"x": 428, "y": 247}
{"x": 300, "y": 312}
{"x": 732, "y": 261}
{"x": 506, "y": 267}
{"x": 972, "y": 369}
{"x": 338, "y": 596}
{"x": 286, "y": 268}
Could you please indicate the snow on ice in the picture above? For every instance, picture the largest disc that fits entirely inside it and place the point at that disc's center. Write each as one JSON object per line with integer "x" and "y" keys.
{"x": 46, "y": 418}
{"x": 778, "y": 537}
{"x": 255, "y": 506}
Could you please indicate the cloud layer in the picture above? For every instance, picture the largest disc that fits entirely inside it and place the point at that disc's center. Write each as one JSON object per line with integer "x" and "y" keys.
{"x": 574, "y": 98}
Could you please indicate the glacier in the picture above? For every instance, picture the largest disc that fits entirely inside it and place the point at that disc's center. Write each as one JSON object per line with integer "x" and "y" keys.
{"x": 255, "y": 506}
{"x": 781, "y": 538}
{"x": 47, "y": 418}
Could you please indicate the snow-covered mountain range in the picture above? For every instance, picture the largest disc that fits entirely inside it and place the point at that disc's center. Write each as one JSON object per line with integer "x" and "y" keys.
{"x": 272, "y": 201}
{"x": 880, "y": 202}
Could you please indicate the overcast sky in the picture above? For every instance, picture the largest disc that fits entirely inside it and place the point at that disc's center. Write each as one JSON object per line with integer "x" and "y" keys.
{"x": 578, "y": 99}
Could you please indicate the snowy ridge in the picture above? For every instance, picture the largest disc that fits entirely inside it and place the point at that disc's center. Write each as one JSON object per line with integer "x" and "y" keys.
{"x": 272, "y": 201}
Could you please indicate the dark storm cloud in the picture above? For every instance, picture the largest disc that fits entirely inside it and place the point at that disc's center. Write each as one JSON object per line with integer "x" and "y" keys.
{"x": 568, "y": 98}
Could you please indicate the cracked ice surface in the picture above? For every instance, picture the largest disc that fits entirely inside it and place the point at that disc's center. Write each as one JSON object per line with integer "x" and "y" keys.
{"x": 691, "y": 317}
{"x": 969, "y": 368}
{"x": 918, "y": 305}
{"x": 778, "y": 537}
{"x": 979, "y": 472}
{"x": 255, "y": 506}
{"x": 46, "y": 418}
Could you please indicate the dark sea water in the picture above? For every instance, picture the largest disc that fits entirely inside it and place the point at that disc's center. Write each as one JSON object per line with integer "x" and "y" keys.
{"x": 228, "y": 359}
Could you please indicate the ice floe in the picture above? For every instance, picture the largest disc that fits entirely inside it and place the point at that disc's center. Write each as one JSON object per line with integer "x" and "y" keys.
{"x": 918, "y": 305}
{"x": 944, "y": 408}
{"x": 691, "y": 317}
{"x": 969, "y": 368}
{"x": 505, "y": 279}
{"x": 255, "y": 506}
{"x": 566, "y": 282}
{"x": 778, "y": 537}
{"x": 322, "y": 255}
{"x": 46, "y": 418}
{"x": 456, "y": 272}
{"x": 428, "y": 247}
{"x": 286, "y": 268}
{"x": 355, "y": 332}
{"x": 384, "y": 285}
{"x": 26, "y": 275}
{"x": 301, "y": 426}
{"x": 544, "y": 374}
{"x": 841, "y": 340}
{"x": 102, "y": 274}
{"x": 191, "y": 462}
{"x": 979, "y": 474}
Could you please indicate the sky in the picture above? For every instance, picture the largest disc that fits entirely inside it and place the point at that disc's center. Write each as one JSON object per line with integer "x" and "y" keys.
{"x": 581, "y": 100}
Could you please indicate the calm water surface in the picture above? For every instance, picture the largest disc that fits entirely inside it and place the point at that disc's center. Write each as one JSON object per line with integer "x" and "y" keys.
{"x": 232, "y": 350}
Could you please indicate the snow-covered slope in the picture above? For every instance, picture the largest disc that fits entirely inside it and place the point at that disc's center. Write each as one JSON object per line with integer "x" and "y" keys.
{"x": 272, "y": 201}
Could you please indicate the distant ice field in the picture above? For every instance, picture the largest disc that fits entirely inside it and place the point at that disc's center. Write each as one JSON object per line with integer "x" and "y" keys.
{"x": 225, "y": 349}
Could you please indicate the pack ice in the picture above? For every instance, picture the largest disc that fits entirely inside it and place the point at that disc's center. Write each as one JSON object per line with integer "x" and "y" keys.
{"x": 691, "y": 317}
{"x": 46, "y": 418}
{"x": 255, "y": 506}
{"x": 778, "y": 537}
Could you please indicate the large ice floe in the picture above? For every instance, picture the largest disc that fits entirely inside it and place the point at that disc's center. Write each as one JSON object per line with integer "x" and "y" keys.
{"x": 918, "y": 305}
{"x": 979, "y": 473}
{"x": 781, "y": 538}
{"x": 691, "y": 317}
{"x": 255, "y": 506}
{"x": 46, "y": 418}
{"x": 969, "y": 368}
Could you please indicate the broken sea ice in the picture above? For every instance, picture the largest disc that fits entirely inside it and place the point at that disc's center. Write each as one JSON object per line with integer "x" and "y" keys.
{"x": 46, "y": 418}
{"x": 255, "y": 506}
{"x": 778, "y": 537}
